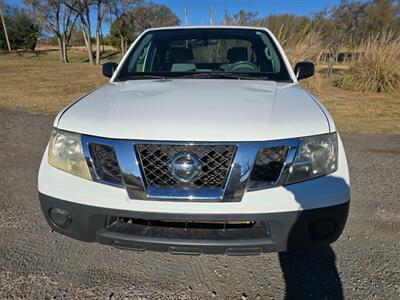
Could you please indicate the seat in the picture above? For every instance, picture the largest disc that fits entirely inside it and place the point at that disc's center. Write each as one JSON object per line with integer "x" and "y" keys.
{"x": 236, "y": 54}
{"x": 178, "y": 59}
{"x": 233, "y": 55}
{"x": 180, "y": 55}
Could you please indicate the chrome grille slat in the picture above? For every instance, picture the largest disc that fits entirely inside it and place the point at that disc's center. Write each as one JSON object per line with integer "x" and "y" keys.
{"x": 268, "y": 166}
{"x": 105, "y": 160}
{"x": 215, "y": 159}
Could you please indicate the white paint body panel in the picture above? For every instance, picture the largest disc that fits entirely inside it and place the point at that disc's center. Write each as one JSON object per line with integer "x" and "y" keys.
{"x": 197, "y": 110}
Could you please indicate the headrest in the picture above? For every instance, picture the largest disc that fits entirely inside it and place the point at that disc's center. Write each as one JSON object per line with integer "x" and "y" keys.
{"x": 180, "y": 55}
{"x": 236, "y": 54}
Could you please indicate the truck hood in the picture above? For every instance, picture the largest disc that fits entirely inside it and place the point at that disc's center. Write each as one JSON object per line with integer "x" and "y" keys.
{"x": 196, "y": 110}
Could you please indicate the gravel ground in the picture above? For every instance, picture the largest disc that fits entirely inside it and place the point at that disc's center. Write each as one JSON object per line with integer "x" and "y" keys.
{"x": 37, "y": 263}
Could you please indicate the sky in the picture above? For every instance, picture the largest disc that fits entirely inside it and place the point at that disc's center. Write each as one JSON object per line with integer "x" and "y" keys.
{"x": 198, "y": 10}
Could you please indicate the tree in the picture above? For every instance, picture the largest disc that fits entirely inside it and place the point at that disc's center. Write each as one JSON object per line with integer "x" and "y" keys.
{"x": 100, "y": 10}
{"x": 228, "y": 20}
{"x": 138, "y": 20}
{"x": 246, "y": 17}
{"x": 116, "y": 35}
{"x": 151, "y": 15}
{"x": 382, "y": 15}
{"x": 58, "y": 18}
{"x": 22, "y": 30}
{"x": 3, "y": 22}
{"x": 82, "y": 9}
{"x": 347, "y": 22}
{"x": 355, "y": 21}
{"x": 120, "y": 18}
{"x": 27, "y": 31}
{"x": 76, "y": 38}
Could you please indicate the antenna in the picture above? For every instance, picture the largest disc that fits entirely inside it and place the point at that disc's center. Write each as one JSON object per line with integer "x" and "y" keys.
{"x": 212, "y": 13}
{"x": 186, "y": 16}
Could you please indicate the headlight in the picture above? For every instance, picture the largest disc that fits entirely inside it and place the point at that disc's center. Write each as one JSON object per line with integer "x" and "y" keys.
{"x": 316, "y": 156}
{"x": 65, "y": 153}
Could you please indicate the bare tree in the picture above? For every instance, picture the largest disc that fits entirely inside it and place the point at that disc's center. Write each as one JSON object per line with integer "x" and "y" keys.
{"x": 227, "y": 19}
{"x": 100, "y": 9}
{"x": 245, "y": 17}
{"x": 4, "y": 24}
{"x": 58, "y": 18}
{"x": 82, "y": 9}
{"x": 84, "y": 15}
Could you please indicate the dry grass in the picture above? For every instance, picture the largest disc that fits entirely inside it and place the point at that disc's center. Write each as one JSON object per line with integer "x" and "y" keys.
{"x": 362, "y": 112}
{"x": 42, "y": 85}
{"x": 308, "y": 48}
{"x": 377, "y": 69}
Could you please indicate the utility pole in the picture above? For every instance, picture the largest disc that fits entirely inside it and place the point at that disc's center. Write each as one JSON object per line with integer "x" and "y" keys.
{"x": 186, "y": 16}
{"x": 4, "y": 25}
{"x": 212, "y": 13}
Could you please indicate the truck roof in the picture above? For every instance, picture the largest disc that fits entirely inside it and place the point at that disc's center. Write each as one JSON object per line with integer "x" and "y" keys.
{"x": 208, "y": 27}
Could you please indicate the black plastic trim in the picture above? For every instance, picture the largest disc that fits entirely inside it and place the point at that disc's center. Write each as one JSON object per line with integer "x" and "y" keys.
{"x": 288, "y": 230}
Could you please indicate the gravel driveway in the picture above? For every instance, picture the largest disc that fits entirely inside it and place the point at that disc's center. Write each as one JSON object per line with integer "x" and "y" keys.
{"x": 38, "y": 263}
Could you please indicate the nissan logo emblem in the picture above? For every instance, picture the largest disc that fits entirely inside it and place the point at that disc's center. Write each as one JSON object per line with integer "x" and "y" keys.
{"x": 185, "y": 166}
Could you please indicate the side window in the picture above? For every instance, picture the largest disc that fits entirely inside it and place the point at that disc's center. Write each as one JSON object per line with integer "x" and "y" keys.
{"x": 139, "y": 64}
{"x": 138, "y": 59}
{"x": 271, "y": 55}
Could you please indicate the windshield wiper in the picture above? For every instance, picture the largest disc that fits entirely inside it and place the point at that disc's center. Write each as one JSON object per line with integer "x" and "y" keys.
{"x": 138, "y": 77}
{"x": 222, "y": 75}
{"x": 205, "y": 75}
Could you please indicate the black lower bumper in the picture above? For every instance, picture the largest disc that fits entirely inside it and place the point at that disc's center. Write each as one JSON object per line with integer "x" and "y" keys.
{"x": 237, "y": 234}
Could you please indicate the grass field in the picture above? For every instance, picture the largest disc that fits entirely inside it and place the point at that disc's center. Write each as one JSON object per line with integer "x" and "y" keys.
{"x": 40, "y": 84}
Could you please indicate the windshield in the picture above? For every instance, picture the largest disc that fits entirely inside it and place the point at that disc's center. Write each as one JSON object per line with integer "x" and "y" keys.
{"x": 205, "y": 53}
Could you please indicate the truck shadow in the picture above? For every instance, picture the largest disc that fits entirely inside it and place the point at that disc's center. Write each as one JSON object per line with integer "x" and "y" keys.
{"x": 311, "y": 274}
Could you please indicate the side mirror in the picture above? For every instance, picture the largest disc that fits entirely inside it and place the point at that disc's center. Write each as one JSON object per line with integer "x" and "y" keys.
{"x": 304, "y": 69}
{"x": 109, "y": 69}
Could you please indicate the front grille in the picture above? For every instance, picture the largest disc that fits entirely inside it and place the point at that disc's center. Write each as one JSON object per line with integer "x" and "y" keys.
{"x": 106, "y": 163}
{"x": 193, "y": 230}
{"x": 215, "y": 161}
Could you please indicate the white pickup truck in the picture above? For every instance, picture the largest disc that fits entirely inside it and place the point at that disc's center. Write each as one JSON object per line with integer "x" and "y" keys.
{"x": 202, "y": 141}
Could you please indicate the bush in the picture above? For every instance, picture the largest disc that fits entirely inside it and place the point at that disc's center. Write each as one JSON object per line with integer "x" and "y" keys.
{"x": 377, "y": 67}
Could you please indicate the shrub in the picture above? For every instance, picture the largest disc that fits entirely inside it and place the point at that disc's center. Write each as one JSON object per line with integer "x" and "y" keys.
{"x": 377, "y": 67}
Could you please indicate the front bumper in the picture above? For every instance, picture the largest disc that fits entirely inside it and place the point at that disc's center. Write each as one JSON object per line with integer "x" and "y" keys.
{"x": 278, "y": 231}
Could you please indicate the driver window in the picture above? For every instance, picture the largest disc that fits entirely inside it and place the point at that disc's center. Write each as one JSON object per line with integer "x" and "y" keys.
{"x": 137, "y": 63}
{"x": 272, "y": 56}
